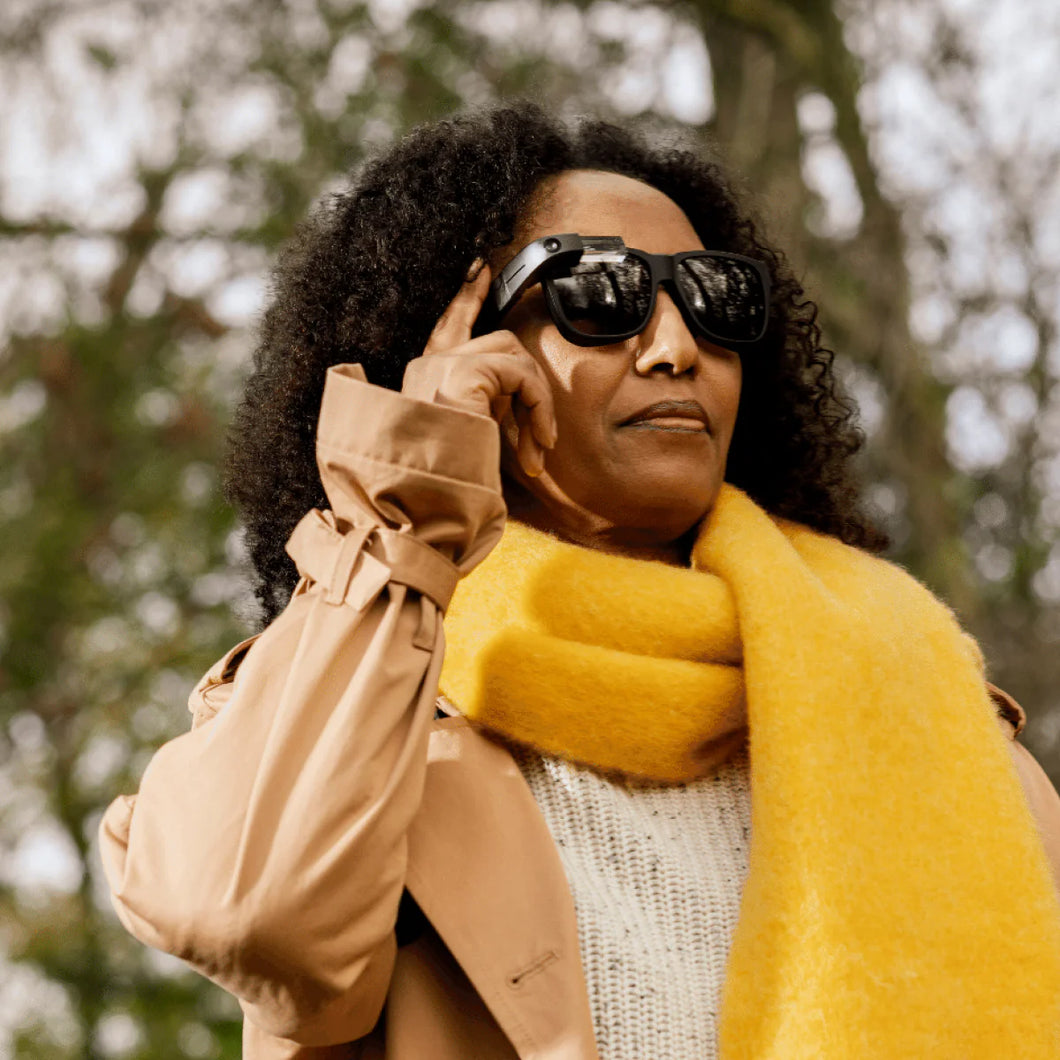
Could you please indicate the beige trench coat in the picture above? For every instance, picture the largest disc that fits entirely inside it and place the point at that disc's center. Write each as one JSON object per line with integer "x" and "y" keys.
{"x": 368, "y": 879}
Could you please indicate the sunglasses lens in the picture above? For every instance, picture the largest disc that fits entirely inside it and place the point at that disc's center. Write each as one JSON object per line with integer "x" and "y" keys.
{"x": 604, "y": 298}
{"x": 726, "y": 297}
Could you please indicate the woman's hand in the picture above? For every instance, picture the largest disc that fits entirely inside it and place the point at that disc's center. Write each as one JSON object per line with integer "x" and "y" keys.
{"x": 492, "y": 375}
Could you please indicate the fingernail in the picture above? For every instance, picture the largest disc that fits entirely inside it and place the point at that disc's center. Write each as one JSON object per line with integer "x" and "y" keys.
{"x": 536, "y": 464}
{"x": 474, "y": 269}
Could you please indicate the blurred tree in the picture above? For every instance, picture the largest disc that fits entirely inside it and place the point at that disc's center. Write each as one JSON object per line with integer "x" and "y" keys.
{"x": 980, "y": 207}
{"x": 155, "y": 156}
{"x": 787, "y": 89}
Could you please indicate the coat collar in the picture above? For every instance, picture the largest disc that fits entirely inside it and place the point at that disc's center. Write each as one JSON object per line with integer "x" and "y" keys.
{"x": 484, "y": 869}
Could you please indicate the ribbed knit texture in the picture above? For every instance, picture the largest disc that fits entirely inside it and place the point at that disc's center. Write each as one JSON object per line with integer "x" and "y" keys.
{"x": 656, "y": 872}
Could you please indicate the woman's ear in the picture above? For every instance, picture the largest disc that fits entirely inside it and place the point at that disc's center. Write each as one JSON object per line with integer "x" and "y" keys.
{"x": 513, "y": 478}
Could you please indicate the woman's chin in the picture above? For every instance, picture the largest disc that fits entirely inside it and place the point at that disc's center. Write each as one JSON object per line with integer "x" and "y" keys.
{"x": 657, "y": 504}
{"x": 665, "y": 508}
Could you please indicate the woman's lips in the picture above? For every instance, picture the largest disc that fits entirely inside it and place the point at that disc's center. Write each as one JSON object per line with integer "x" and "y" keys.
{"x": 688, "y": 416}
{"x": 670, "y": 423}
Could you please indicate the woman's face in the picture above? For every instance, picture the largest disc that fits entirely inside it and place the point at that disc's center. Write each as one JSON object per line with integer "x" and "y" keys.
{"x": 610, "y": 482}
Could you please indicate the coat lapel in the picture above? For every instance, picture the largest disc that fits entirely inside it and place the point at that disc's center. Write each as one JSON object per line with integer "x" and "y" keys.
{"x": 483, "y": 867}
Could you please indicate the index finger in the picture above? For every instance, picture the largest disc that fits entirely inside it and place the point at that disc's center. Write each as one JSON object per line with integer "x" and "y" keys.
{"x": 455, "y": 324}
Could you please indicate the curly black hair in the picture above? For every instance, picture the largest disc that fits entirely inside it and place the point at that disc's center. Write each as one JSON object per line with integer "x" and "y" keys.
{"x": 365, "y": 278}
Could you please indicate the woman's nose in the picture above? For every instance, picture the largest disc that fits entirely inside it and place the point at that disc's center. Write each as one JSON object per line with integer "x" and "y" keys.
{"x": 666, "y": 342}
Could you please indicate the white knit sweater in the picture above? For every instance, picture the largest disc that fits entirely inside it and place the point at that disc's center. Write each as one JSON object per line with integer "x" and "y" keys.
{"x": 656, "y": 873}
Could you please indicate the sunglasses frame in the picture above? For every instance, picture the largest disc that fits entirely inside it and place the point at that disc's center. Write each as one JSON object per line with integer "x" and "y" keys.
{"x": 551, "y": 254}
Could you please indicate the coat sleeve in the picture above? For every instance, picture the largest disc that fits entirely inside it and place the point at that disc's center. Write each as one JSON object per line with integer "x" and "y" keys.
{"x": 1044, "y": 803}
{"x": 266, "y": 847}
{"x": 1042, "y": 797}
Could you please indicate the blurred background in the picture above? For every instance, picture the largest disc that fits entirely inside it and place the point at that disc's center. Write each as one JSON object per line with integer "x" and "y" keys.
{"x": 153, "y": 156}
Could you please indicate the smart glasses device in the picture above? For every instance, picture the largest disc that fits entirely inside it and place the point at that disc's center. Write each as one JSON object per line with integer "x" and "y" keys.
{"x": 600, "y": 291}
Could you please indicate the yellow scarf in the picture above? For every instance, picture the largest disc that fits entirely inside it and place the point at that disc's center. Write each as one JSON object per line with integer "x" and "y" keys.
{"x": 899, "y": 904}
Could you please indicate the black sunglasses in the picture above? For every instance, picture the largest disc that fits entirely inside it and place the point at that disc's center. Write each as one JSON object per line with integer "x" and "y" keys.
{"x": 600, "y": 291}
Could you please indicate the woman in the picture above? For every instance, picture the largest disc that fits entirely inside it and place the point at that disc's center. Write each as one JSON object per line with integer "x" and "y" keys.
{"x": 537, "y": 841}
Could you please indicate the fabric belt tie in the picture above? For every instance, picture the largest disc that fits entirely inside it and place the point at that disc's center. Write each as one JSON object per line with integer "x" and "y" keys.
{"x": 331, "y": 557}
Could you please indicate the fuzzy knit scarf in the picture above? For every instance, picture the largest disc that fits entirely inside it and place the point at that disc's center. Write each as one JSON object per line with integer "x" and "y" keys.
{"x": 899, "y": 904}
